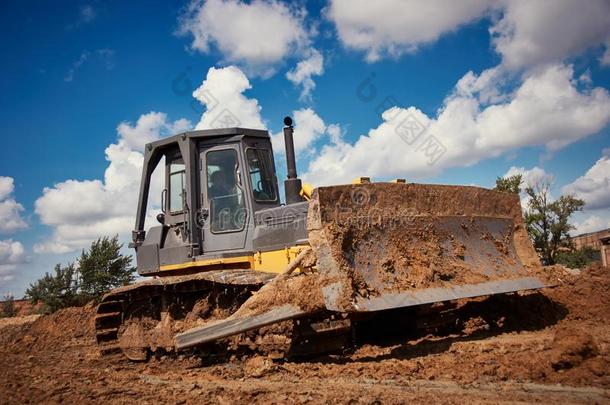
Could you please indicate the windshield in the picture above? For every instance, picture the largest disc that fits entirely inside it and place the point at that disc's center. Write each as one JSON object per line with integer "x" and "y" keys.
{"x": 261, "y": 174}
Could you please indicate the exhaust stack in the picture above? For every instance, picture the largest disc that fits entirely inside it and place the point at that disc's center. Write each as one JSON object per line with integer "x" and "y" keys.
{"x": 292, "y": 185}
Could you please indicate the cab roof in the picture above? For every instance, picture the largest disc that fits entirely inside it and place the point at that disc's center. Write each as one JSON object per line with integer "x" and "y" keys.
{"x": 207, "y": 134}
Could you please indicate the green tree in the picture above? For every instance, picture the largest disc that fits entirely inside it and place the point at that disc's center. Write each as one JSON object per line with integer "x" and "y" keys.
{"x": 103, "y": 268}
{"x": 100, "y": 269}
{"x": 577, "y": 259}
{"x": 8, "y": 307}
{"x": 510, "y": 184}
{"x": 55, "y": 290}
{"x": 547, "y": 221}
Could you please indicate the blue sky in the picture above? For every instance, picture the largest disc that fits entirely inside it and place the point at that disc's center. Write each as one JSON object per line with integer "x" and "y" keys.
{"x": 72, "y": 73}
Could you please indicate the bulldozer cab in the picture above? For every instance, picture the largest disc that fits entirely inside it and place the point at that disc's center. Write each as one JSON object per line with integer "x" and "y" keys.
{"x": 215, "y": 180}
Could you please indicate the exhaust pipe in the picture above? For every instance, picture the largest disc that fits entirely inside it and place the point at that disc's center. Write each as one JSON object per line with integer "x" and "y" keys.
{"x": 292, "y": 185}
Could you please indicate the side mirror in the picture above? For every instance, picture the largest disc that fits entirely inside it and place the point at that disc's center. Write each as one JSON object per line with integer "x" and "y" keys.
{"x": 161, "y": 218}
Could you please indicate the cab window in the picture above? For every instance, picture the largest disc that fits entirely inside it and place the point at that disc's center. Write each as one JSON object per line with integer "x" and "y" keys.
{"x": 261, "y": 174}
{"x": 176, "y": 186}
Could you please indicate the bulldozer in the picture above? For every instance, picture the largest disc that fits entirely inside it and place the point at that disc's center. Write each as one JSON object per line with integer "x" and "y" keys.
{"x": 229, "y": 265}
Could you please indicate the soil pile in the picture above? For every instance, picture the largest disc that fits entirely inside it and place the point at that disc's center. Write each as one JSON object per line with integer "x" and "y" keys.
{"x": 548, "y": 346}
{"x": 17, "y": 320}
{"x": 560, "y": 335}
{"x": 586, "y": 295}
{"x": 48, "y": 331}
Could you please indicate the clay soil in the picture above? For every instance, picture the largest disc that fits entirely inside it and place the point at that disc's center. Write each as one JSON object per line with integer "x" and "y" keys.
{"x": 552, "y": 346}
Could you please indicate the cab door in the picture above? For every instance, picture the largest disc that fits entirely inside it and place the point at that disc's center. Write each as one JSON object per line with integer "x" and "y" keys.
{"x": 225, "y": 208}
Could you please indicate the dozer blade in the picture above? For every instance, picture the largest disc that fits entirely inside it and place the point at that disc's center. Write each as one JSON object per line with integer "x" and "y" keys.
{"x": 382, "y": 246}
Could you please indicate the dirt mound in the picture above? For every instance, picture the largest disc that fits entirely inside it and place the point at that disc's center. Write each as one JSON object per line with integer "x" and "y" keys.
{"x": 17, "y": 320}
{"x": 69, "y": 322}
{"x": 585, "y": 295}
{"x": 557, "y": 335}
{"x": 49, "y": 330}
{"x": 551, "y": 346}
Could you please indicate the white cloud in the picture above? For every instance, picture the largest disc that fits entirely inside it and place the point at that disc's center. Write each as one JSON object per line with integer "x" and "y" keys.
{"x": 395, "y": 27}
{"x": 6, "y": 187}
{"x": 10, "y": 209}
{"x": 12, "y": 254}
{"x": 148, "y": 128}
{"x": 302, "y": 74}
{"x": 524, "y": 33}
{"x": 546, "y": 109}
{"x": 591, "y": 223}
{"x": 226, "y": 106}
{"x": 531, "y": 177}
{"x": 486, "y": 87}
{"x": 531, "y": 33}
{"x": 222, "y": 93}
{"x": 257, "y": 35}
{"x": 594, "y": 186}
{"x": 80, "y": 211}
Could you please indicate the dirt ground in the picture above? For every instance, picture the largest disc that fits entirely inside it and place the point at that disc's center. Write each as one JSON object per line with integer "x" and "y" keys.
{"x": 552, "y": 346}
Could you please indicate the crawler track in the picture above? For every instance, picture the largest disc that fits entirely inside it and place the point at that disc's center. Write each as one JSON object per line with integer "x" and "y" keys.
{"x": 176, "y": 295}
{"x": 142, "y": 318}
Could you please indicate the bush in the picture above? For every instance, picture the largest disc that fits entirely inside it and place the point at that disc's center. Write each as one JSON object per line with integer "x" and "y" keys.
{"x": 100, "y": 269}
{"x": 577, "y": 259}
{"x": 8, "y": 307}
{"x": 55, "y": 291}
